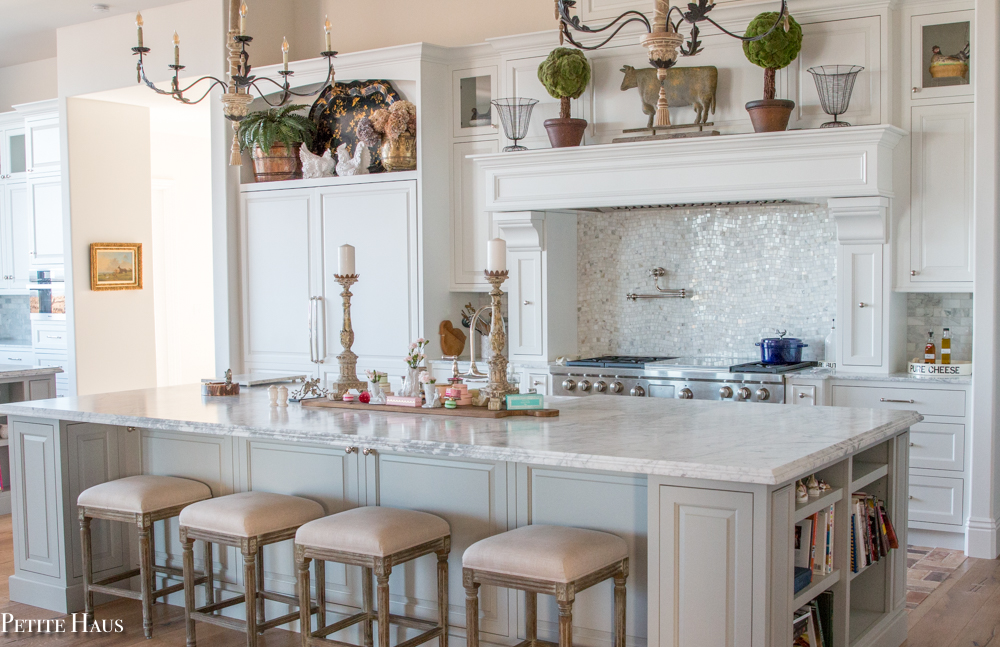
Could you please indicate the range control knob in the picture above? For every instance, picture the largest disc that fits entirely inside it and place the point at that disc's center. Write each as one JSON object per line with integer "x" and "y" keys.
{"x": 763, "y": 394}
{"x": 600, "y": 387}
{"x": 685, "y": 394}
{"x": 584, "y": 385}
{"x": 726, "y": 392}
{"x": 569, "y": 385}
{"x": 617, "y": 387}
{"x": 638, "y": 391}
{"x": 744, "y": 393}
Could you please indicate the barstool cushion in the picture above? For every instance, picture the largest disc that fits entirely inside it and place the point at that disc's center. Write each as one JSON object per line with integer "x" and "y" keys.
{"x": 372, "y": 530}
{"x": 549, "y": 553}
{"x": 250, "y": 514}
{"x": 141, "y": 494}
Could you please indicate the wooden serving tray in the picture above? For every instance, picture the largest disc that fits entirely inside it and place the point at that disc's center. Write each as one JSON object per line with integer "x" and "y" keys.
{"x": 463, "y": 412}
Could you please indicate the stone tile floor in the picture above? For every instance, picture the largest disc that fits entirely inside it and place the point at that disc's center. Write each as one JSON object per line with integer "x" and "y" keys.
{"x": 926, "y": 569}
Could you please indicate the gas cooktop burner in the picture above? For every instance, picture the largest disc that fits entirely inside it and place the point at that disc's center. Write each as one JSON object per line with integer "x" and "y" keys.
{"x": 759, "y": 367}
{"x": 616, "y": 361}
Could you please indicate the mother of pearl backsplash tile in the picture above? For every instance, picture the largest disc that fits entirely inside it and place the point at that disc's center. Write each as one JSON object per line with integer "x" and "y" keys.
{"x": 749, "y": 271}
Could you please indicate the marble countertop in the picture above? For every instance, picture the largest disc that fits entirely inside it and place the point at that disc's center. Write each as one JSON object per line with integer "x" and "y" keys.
{"x": 914, "y": 380}
{"x": 12, "y": 371}
{"x": 724, "y": 441}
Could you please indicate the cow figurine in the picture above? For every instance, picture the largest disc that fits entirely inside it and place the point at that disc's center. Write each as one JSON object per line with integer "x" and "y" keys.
{"x": 686, "y": 86}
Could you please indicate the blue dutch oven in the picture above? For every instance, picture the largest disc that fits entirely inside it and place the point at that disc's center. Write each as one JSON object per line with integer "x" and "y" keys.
{"x": 781, "y": 349}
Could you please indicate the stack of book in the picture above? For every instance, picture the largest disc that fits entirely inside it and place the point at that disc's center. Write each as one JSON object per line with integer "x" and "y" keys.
{"x": 872, "y": 534}
{"x": 812, "y": 625}
{"x": 813, "y": 547}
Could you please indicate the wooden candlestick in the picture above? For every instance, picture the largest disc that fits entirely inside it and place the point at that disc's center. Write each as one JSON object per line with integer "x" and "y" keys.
{"x": 498, "y": 387}
{"x": 347, "y": 360}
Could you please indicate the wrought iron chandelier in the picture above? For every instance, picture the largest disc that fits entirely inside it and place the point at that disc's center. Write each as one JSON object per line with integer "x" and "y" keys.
{"x": 236, "y": 98}
{"x": 662, "y": 38}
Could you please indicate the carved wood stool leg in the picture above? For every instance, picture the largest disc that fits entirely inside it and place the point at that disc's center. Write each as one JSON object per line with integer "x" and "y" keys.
{"x": 146, "y": 579}
{"x": 369, "y": 604}
{"x": 209, "y": 574}
{"x": 619, "y": 611}
{"x": 382, "y": 571}
{"x": 188, "y": 549}
{"x": 305, "y": 624}
{"x": 320, "y": 567}
{"x": 566, "y": 624}
{"x": 442, "y": 581}
{"x": 260, "y": 586}
{"x": 250, "y": 588}
{"x": 88, "y": 567}
{"x": 471, "y": 608}
{"x": 531, "y": 616}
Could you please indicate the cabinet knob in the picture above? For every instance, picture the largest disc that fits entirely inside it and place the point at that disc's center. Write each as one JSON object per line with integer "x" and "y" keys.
{"x": 527, "y": 303}
{"x": 367, "y": 450}
{"x": 913, "y": 272}
{"x": 910, "y": 497}
{"x": 862, "y": 305}
{"x": 802, "y": 395}
{"x": 350, "y": 450}
{"x": 130, "y": 429}
{"x": 915, "y": 90}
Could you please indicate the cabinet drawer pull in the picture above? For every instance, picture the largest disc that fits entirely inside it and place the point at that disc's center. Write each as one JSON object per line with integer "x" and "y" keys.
{"x": 802, "y": 395}
{"x": 862, "y": 305}
{"x": 913, "y": 272}
{"x": 15, "y": 359}
{"x": 538, "y": 382}
{"x": 53, "y": 336}
{"x": 896, "y": 401}
{"x": 527, "y": 303}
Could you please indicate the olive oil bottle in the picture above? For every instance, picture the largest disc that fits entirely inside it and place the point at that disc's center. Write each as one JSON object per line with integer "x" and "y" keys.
{"x": 946, "y": 346}
{"x": 930, "y": 352}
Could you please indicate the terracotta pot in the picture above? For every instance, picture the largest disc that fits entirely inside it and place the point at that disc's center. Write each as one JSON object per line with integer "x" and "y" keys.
{"x": 565, "y": 132}
{"x": 770, "y": 115}
{"x": 283, "y": 163}
{"x": 401, "y": 154}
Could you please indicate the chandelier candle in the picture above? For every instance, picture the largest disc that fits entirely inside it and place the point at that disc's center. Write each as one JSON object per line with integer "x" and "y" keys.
{"x": 329, "y": 39}
{"x": 138, "y": 26}
{"x": 284, "y": 53}
{"x": 243, "y": 19}
{"x": 177, "y": 49}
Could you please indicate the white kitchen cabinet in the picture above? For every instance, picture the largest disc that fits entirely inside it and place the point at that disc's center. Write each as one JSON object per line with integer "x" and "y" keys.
{"x": 385, "y": 306}
{"x": 860, "y": 305}
{"x": 471, "y": 226}
{"x": 15, "y": 235}
{"x": 926, "y": 32}
{"x": 13, "y": 156}
{"x": 941, "y": 197}
{"x": 524, "y": 335}
{"x": 42, "y": 145}
{"x": 279, "y": 235}
{"x": 45, "y": 217}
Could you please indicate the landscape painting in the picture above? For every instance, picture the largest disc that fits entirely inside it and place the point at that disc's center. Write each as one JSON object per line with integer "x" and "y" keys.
{"x": 116, "y": 266}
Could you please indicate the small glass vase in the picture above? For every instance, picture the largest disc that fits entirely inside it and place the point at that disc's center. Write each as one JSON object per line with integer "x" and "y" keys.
{"x": 376, "y": 392}
{"x": 411, "y": 383}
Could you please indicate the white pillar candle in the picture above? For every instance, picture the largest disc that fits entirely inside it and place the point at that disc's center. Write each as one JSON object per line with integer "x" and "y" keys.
{"x": 496, "y": 255}
{"x": 346, "y": 260}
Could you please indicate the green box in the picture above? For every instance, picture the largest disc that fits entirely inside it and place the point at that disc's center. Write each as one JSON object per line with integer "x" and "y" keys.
{"x": 523, "y": 401}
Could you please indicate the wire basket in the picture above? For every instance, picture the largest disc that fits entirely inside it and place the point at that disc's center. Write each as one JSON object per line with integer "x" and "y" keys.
{"x": 834, "y": 84}
{"x": 515, "y": 113}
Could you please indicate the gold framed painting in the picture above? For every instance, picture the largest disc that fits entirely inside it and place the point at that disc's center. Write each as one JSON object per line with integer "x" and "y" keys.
{"x": 116, "y": 266}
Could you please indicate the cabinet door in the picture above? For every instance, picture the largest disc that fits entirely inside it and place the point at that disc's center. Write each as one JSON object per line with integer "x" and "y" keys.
{"x": 278, "y": 228}
{"x": 951, "y": 31}
{"x": 13, "y": 155}
{"x": 45, "y": 216}
{"x": 941, "y": 193}
{"x": 471, "y": 227}
{"x": 701, "y": 558}
{"x": 33, "y": 461}
{"x": 861, "y": 305}
{"x": 525, "y": 304}
{"x": 380, "y": 221}
{"x": 42, "y": 145}
{"x": 16, "y": 235}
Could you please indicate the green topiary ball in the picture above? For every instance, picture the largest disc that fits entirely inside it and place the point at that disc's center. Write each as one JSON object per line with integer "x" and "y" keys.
{"x": 779, "y": 48}
{"x": 565, "y": 73}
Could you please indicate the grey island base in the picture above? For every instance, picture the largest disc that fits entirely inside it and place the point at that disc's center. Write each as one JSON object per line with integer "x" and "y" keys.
{"x": 703, "y": 493}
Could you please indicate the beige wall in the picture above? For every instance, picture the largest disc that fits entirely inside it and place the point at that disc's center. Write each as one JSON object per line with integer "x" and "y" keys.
{"x": 109, "y": 145}
{"x": 35, "y": 81}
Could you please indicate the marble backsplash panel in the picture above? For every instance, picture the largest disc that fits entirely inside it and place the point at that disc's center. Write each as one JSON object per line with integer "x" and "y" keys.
{"x": 933, "y": 311}
{"x": 749, "y": 271}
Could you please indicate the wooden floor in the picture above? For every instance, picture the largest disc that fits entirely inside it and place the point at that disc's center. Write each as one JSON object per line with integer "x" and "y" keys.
{"x": 964, "y": 611}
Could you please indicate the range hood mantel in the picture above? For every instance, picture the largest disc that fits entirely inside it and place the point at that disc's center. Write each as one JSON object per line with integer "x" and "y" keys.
{"x": 794, "y": 165}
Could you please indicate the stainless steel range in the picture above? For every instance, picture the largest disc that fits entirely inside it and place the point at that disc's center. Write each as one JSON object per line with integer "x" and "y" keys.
{"x": 684, "y": 378}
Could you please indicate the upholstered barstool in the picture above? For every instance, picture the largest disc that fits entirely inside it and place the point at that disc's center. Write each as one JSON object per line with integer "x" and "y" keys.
{"x": 248, "y": 521}
{"x": 376, "y": 539}
{"x": 553, "y": 560}
{"x": 140, "y": 500}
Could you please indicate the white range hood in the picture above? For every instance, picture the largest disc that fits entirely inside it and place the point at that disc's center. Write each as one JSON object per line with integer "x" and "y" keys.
{"x": 793, "y": 165}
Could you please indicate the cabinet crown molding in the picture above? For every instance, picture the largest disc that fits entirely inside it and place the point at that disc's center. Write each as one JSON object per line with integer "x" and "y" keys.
{"x": 860, "y": 220}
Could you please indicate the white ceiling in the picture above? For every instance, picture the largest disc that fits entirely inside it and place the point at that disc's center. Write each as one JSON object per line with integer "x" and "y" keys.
{"x": 28, "y": 27}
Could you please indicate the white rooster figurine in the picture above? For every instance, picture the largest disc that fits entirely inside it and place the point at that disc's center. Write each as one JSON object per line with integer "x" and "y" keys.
{"x": 314, "y": 166}
{"x": 357, "y": 165}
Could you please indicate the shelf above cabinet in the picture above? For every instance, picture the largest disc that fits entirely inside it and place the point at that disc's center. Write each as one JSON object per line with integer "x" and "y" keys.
{"x": 372, "y": 178}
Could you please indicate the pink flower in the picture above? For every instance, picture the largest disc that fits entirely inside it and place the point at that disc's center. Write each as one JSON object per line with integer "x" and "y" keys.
{"x": 413, "y": 346}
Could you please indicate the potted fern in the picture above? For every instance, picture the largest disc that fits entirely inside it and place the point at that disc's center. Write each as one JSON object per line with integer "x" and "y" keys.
{"x": 274, "y": 138}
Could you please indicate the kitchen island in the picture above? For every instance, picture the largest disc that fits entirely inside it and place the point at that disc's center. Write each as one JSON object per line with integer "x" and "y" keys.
{"x": 703, "y": 493}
